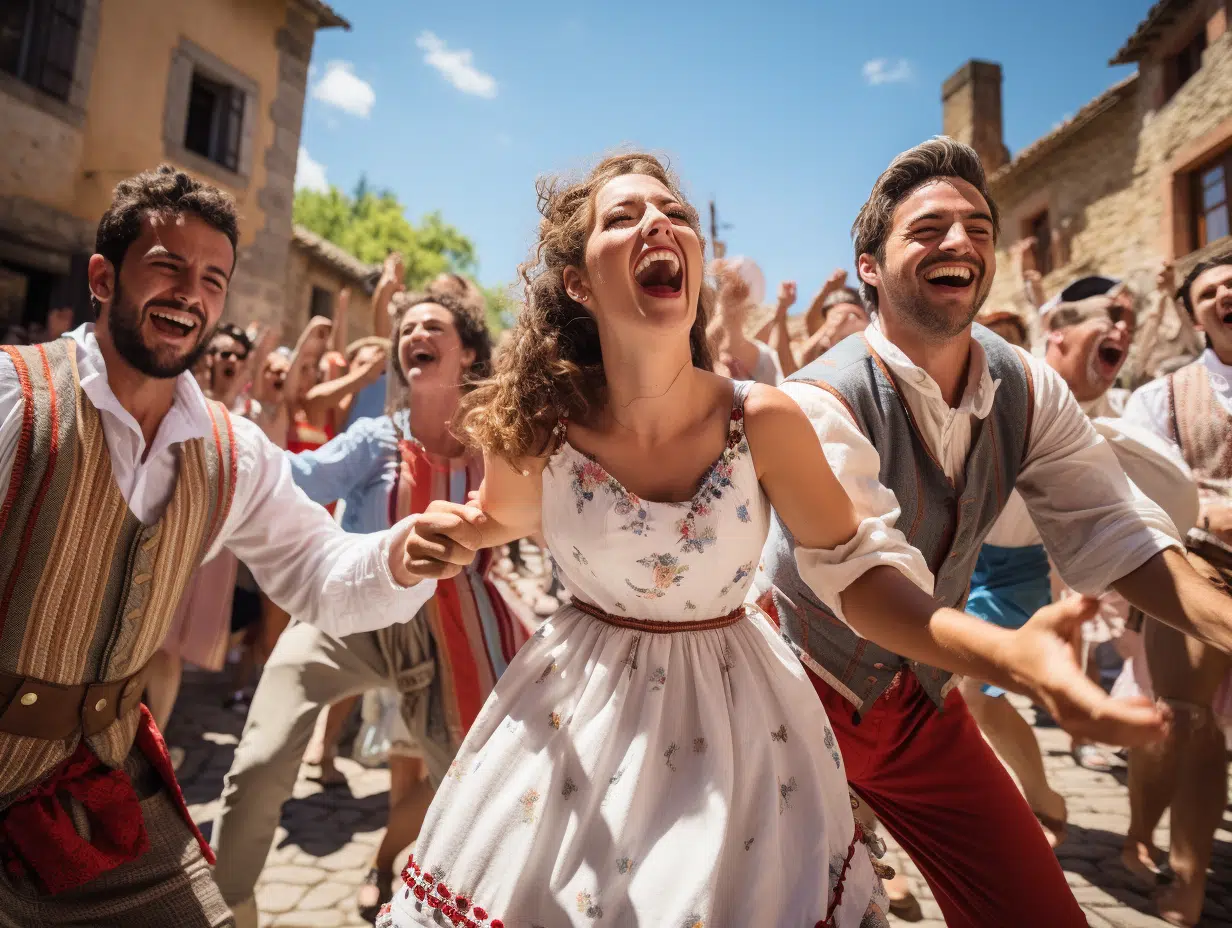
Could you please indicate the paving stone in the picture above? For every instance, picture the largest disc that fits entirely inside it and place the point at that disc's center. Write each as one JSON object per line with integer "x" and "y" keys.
{"x": 279, "y": 897}
{"x": 323, "y": 918}
{"x": 296, "y": 876}
{"x": 327, "y": 895}
{"x": 346, "y": 858}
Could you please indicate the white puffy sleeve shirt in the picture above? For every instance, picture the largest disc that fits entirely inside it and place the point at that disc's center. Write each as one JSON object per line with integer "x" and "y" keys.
{"x": 1096, "y": 525}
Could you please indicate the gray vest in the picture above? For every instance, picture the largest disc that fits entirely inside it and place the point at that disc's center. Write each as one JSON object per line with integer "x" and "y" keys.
{"x": 946, "y": 526}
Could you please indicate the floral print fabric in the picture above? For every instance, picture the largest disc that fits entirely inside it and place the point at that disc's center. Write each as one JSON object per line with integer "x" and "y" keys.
{"x": 619, "y": 777}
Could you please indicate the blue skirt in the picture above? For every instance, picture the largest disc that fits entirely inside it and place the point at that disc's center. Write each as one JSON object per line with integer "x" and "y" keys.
{"x": 1008, "y": 587}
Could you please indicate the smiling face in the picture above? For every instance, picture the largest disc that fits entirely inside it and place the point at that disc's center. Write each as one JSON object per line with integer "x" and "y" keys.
{"x": 169, "y": 294}
{"x": 643, "y": 261}
{"x": 430, "y": 351}
{"x": 1090, "y": 351}
{"x": 1211, "y": 297}
{"x": 938, "y": 261}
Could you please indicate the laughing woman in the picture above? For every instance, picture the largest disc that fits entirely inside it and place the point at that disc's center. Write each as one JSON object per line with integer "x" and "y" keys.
{"x": 655, "y": 755}
{"x": 443, "y": 663}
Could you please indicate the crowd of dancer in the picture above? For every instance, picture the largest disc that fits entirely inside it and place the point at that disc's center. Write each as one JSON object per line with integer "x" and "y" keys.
{"x": 794, "y": 579}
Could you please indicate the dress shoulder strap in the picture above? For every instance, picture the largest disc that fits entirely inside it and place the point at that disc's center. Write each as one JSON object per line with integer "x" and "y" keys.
{"x": 741, "y": 393}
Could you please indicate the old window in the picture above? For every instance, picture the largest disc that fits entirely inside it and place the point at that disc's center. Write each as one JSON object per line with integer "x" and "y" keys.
{"x": 215, "y": 121}
{"x": 1185, "y": 63}
{"x": 210, "y": 116}
{"x": 322, "y": 303}
{"x": 38, "y": 42}
{"x": 1211, "y": 185}
{"x": 1039, "y": 228}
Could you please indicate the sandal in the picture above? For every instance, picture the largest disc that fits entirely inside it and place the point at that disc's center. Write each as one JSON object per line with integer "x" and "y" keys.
{"x": 376, "y": 890}
{"x": 1091, "y": 757}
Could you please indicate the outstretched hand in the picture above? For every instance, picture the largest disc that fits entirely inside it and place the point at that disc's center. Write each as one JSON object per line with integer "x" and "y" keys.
{"x": 442, "y": 540}
{"x": 1044, "y": 661}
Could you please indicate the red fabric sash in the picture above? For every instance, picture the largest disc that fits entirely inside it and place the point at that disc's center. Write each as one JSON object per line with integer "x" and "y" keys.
{"x": 37, "y": 835}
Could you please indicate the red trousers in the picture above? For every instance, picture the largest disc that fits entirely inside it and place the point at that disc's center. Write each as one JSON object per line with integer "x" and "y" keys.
{"x": 939, "y": 789}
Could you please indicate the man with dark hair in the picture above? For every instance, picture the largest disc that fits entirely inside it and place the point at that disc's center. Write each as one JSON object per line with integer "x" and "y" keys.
{"x": 1191, "y": 410}
{"x": 117, "y": 478}
{"x": 929, "y": 423}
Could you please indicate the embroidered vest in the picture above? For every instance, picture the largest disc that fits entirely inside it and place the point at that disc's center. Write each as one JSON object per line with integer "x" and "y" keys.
{"x": 1202, "y": 428}
{"x": 946, "y": 526}
{"x": 87, "y": 592}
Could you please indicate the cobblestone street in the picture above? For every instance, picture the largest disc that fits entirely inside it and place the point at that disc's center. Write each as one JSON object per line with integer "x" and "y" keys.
{"x": 322, "y": 847}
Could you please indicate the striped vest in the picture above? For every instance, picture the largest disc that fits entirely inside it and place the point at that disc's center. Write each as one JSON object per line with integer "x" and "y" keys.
{"x": 946, "y": 526}
{"x": 1202, "y": 428}
{"x": 87, "y": 593}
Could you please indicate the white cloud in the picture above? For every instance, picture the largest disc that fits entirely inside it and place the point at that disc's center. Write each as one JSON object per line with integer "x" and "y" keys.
{"x": 886, "y": 71}
{"x": 341, "y": 88}
{"x": 455, "y": 66}
{"x": 309, "y": 174}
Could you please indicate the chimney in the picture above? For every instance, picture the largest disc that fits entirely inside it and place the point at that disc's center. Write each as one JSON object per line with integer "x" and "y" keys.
{"x": 971, "y": 111}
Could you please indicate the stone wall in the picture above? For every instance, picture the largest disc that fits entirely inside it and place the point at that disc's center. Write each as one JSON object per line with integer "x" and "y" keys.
{"x": 305, "y": 272}
{"x": 1116, "y": 188}
{"x": 257, "y": 291}
{"x": 1089, "y": 188}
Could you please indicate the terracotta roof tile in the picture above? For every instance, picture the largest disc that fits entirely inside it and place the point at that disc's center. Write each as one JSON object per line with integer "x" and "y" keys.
{"x": 336, "y": 257}
{"x": 1158, "y": 17}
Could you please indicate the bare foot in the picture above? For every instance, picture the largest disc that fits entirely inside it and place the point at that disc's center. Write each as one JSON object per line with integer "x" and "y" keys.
{"x": 902, "y": 901}
{"x": 1181, "y": 904}
{"x": 329, "y": 775}
{"x": 1053, "y": 816}
{"x": 1139, "y": 858}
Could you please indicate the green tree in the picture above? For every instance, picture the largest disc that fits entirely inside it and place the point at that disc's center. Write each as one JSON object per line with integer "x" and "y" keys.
{"x": 370, "y": 224}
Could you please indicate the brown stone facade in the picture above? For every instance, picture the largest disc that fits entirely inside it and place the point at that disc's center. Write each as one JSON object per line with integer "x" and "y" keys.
{"x": 1116, "y": 179}
{"x": 124, "y": 108}
{"x": 314, "y": 264}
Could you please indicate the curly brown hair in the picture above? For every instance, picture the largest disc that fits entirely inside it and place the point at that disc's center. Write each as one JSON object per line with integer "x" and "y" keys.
{"x": 552, "y": 367}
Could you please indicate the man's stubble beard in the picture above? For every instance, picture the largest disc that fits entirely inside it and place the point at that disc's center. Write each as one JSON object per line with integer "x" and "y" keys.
{"x": 124, "y": 325}
{"x": 915, "y": 308}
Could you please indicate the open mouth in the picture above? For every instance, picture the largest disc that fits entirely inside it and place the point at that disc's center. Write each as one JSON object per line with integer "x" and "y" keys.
{"x": 1227, "y": 317}
{"x": 1110, "y": 356}
{"x": 659, "y": 273}
{"x": 421, "y": 357}
{"x": 950, "y": 277}
{"x": 173, "y": 323}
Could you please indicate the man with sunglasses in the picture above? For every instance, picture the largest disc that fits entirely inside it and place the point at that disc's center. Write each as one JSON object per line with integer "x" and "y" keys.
{"x": 228, "y": 363}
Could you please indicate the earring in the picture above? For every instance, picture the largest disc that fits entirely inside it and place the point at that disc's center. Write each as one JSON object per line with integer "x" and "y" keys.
{"x": 582, "y": 298}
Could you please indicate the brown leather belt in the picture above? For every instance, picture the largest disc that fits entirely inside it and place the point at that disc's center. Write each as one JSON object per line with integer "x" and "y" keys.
{"x": 37, "y": 709}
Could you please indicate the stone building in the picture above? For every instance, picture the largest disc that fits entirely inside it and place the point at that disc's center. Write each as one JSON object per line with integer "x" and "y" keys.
{"x": 1140, "y": 174}
{"x": 93, "y": 92}
{"x": 317, "y": 271}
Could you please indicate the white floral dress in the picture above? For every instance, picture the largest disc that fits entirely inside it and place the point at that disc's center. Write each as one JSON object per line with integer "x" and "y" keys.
{"x": 624, "y": 776}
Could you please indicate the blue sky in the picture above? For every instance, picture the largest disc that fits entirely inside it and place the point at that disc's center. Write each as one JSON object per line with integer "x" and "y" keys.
{"x": 458, "y": 107}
